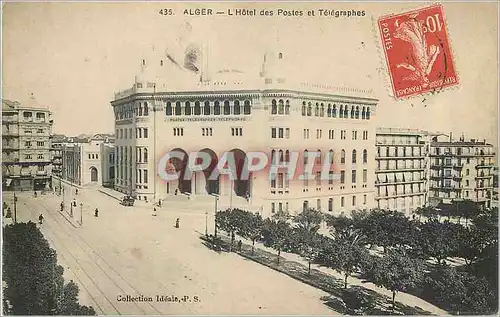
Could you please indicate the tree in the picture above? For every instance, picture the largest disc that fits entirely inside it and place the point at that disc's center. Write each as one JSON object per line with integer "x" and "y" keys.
{"x": 346, "y": 252}
{"x": 439, "y": 240}
{"x": 34, "y": 281}
{"x": 397, "y": 272}
{"x": 252, "y": 228}
{"x": 459, "y": 292}
{"x": 276, "y": 232}
{"x": 231, "y": 221}
{"x": 305, "y": 234}
{"x": 309, "y": 219}
{"x": 427, "y": 211}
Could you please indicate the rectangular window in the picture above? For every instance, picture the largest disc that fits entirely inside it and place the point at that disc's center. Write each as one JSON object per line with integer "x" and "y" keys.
{"x": 354, "y": 200}
{"x": 364, "y": 199}
{"x": 306, "y": 179}
{"x": 273, "y": 208}
{"x": 280, "y": 180}
{"x": 365, "y": 175}
{"x": 287, "y": 133}
{"x": 280, "y": 133}
{"x": 330, "y": 178}
{"x": 353, "y": 173}
{"x": 145, "y": 133}
{"x": 342, "y": 201}
{"x": 273, "y": 133}
{"x": 342, "y": 177}
{"x": 318, "y": 178}
{"x": 273, "y": 180}
{"x": 145, "y": 176}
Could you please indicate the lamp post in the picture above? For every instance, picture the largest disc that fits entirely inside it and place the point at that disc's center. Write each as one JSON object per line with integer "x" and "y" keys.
{"x": 71, "y": 210}
{"x": 81, "y": 214}
{"x": 15, "y": 208}
{"x": 215, "y": 214}
{"x": 206, "y": 223}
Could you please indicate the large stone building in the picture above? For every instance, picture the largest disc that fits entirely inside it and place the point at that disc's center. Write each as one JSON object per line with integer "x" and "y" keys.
{"x": 172, "y": 108}
{"x": 26, "y": 143}
{"x": 86, "y": 160}
{"x": 402, "y": 169}
{"x": 461, "y": 170}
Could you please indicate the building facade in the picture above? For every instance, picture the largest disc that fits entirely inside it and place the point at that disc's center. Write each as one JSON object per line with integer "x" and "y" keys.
{"x": 56, "y": 154}
{"x": 83, "y": 160}
{"x": 26, "y": 144}
{"x": 461, "y": 170}
{"x": 230, "y": 112}
{"x": 402, "y": 169}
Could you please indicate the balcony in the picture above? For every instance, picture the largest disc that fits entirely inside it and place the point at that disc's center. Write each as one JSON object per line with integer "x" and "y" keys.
{"x": 446, "y": 188}
{"x": 484, "y": 165}
{"x": 445, "y": 154}
{"x": 458, "y": 166}
{"x": 41, "y": 173}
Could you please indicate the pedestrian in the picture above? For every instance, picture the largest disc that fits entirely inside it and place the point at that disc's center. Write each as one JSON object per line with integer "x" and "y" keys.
{"x": 239, "y": 246}
{"x": 40, "y": 218}
{"x": 76, "y": 191}
{"x": 176, "y": 190}
{"x": 62, "y": 205}
{"x": 96, "y": 212}
{"x": 177, "y": 223}
{"x": 74, "y": 203}
{"x": 35, "y": 194}
{"x": 159, "y": 202}
{"x": 154, "y": 212}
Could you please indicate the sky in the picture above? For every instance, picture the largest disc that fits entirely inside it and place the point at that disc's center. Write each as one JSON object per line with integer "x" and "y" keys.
{"x": 73, "y": 57}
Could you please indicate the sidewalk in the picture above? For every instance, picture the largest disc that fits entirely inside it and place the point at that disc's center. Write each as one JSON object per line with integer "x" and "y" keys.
{"x": 325, "y": 278}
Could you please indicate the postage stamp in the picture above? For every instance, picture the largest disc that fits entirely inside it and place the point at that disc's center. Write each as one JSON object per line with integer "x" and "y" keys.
{"x": 417, "y": 52}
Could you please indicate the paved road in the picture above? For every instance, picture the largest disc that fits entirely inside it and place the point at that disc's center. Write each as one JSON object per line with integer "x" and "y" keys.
{"x": 127, "y": 251}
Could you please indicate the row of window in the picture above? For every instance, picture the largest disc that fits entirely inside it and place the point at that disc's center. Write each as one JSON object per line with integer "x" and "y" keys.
{"x": 400, "y": 152}
{"x": 128, "y": 110}
{"x": 93, "y": 156}
{"x": 29, "y": 131}
{"x": 280, "y": 206}
{"x": 344, "y": 111}
{"x": 279, "y": 156}
{"x": 140, "y": 133}
{"x": 460, "y": 151}
{"x": 187, "y": 108}
{"x": 331, "y": 134}
{"x": 38, "y": 143}
{"x": 30, "y": 156}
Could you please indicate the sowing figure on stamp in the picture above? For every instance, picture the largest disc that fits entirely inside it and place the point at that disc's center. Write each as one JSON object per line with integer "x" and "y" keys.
{"x": 424, "y": 56}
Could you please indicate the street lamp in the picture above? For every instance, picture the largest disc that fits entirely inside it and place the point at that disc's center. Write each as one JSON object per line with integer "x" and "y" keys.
{"x": 215, "y": 214}
{"x": 206, "y": 223}
{"x": 81, "y": 214}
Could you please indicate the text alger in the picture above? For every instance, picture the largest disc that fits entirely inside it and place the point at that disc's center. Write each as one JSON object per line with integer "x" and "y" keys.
{"x": 198, "y": 11}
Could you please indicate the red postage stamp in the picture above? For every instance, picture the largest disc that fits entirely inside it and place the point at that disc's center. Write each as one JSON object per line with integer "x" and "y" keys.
{"x": 417, "y": 52}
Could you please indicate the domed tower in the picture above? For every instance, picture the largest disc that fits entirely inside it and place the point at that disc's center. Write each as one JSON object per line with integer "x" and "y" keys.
{"x": 274, "y": 69}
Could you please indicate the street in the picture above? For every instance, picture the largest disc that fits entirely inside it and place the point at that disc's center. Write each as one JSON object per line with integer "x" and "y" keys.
{"x": 127, "y": 251}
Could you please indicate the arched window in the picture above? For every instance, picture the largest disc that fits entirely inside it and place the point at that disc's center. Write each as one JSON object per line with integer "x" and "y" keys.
{"x": 197, "y": 108}
{"x": 237, "y": 107}
{"x": 329, "y": 111}
{"x": 346, "y": 111}
{"x": 287, "y": 107}
{"x": 341, "y": 112}
{"x": 206, "y": 108}
{"x": 353, "y": 156}
{"x": 273, "y": 157}
{"x": 227, "y": 108}
{"x": 316, "y": 110}
{"x": 281, "y": 107}
{"x": 281, "y": 156}
{"x": 217, "y": 107}
{"x": 146, "y": 109}
{"x": 145, "y": 153}
{"x": 365, "y": 156}
{"x": 363, "y": 113}
{"x": 368, "y": 113}
{"x": 140, "y": 110}
{"x": 303, "y": 108}
{"x": 168, "y": 108}
{"x": 306, "y": 153}
{"x": 187, "y": 108}
{"x": 287, "y": 156}
{"x": 274, "y": 107}
{"x": 334, "y": 111}
{"x": 352, "y": 112}
{"x": 342, "y": 157}
{"x": 322, "y": 110}
{"x": 330, "y": 204}
{"x": 309, "y": 109}
{"x": 178, "y": 109}
{"x": 139, "y": 154}
{"x": 305, "y": 205}
{"x": 246, "y": 107}
{"x": 318, "y": 158}
{"x": 357, "y": 112}
{"x": 330, "y": 155}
